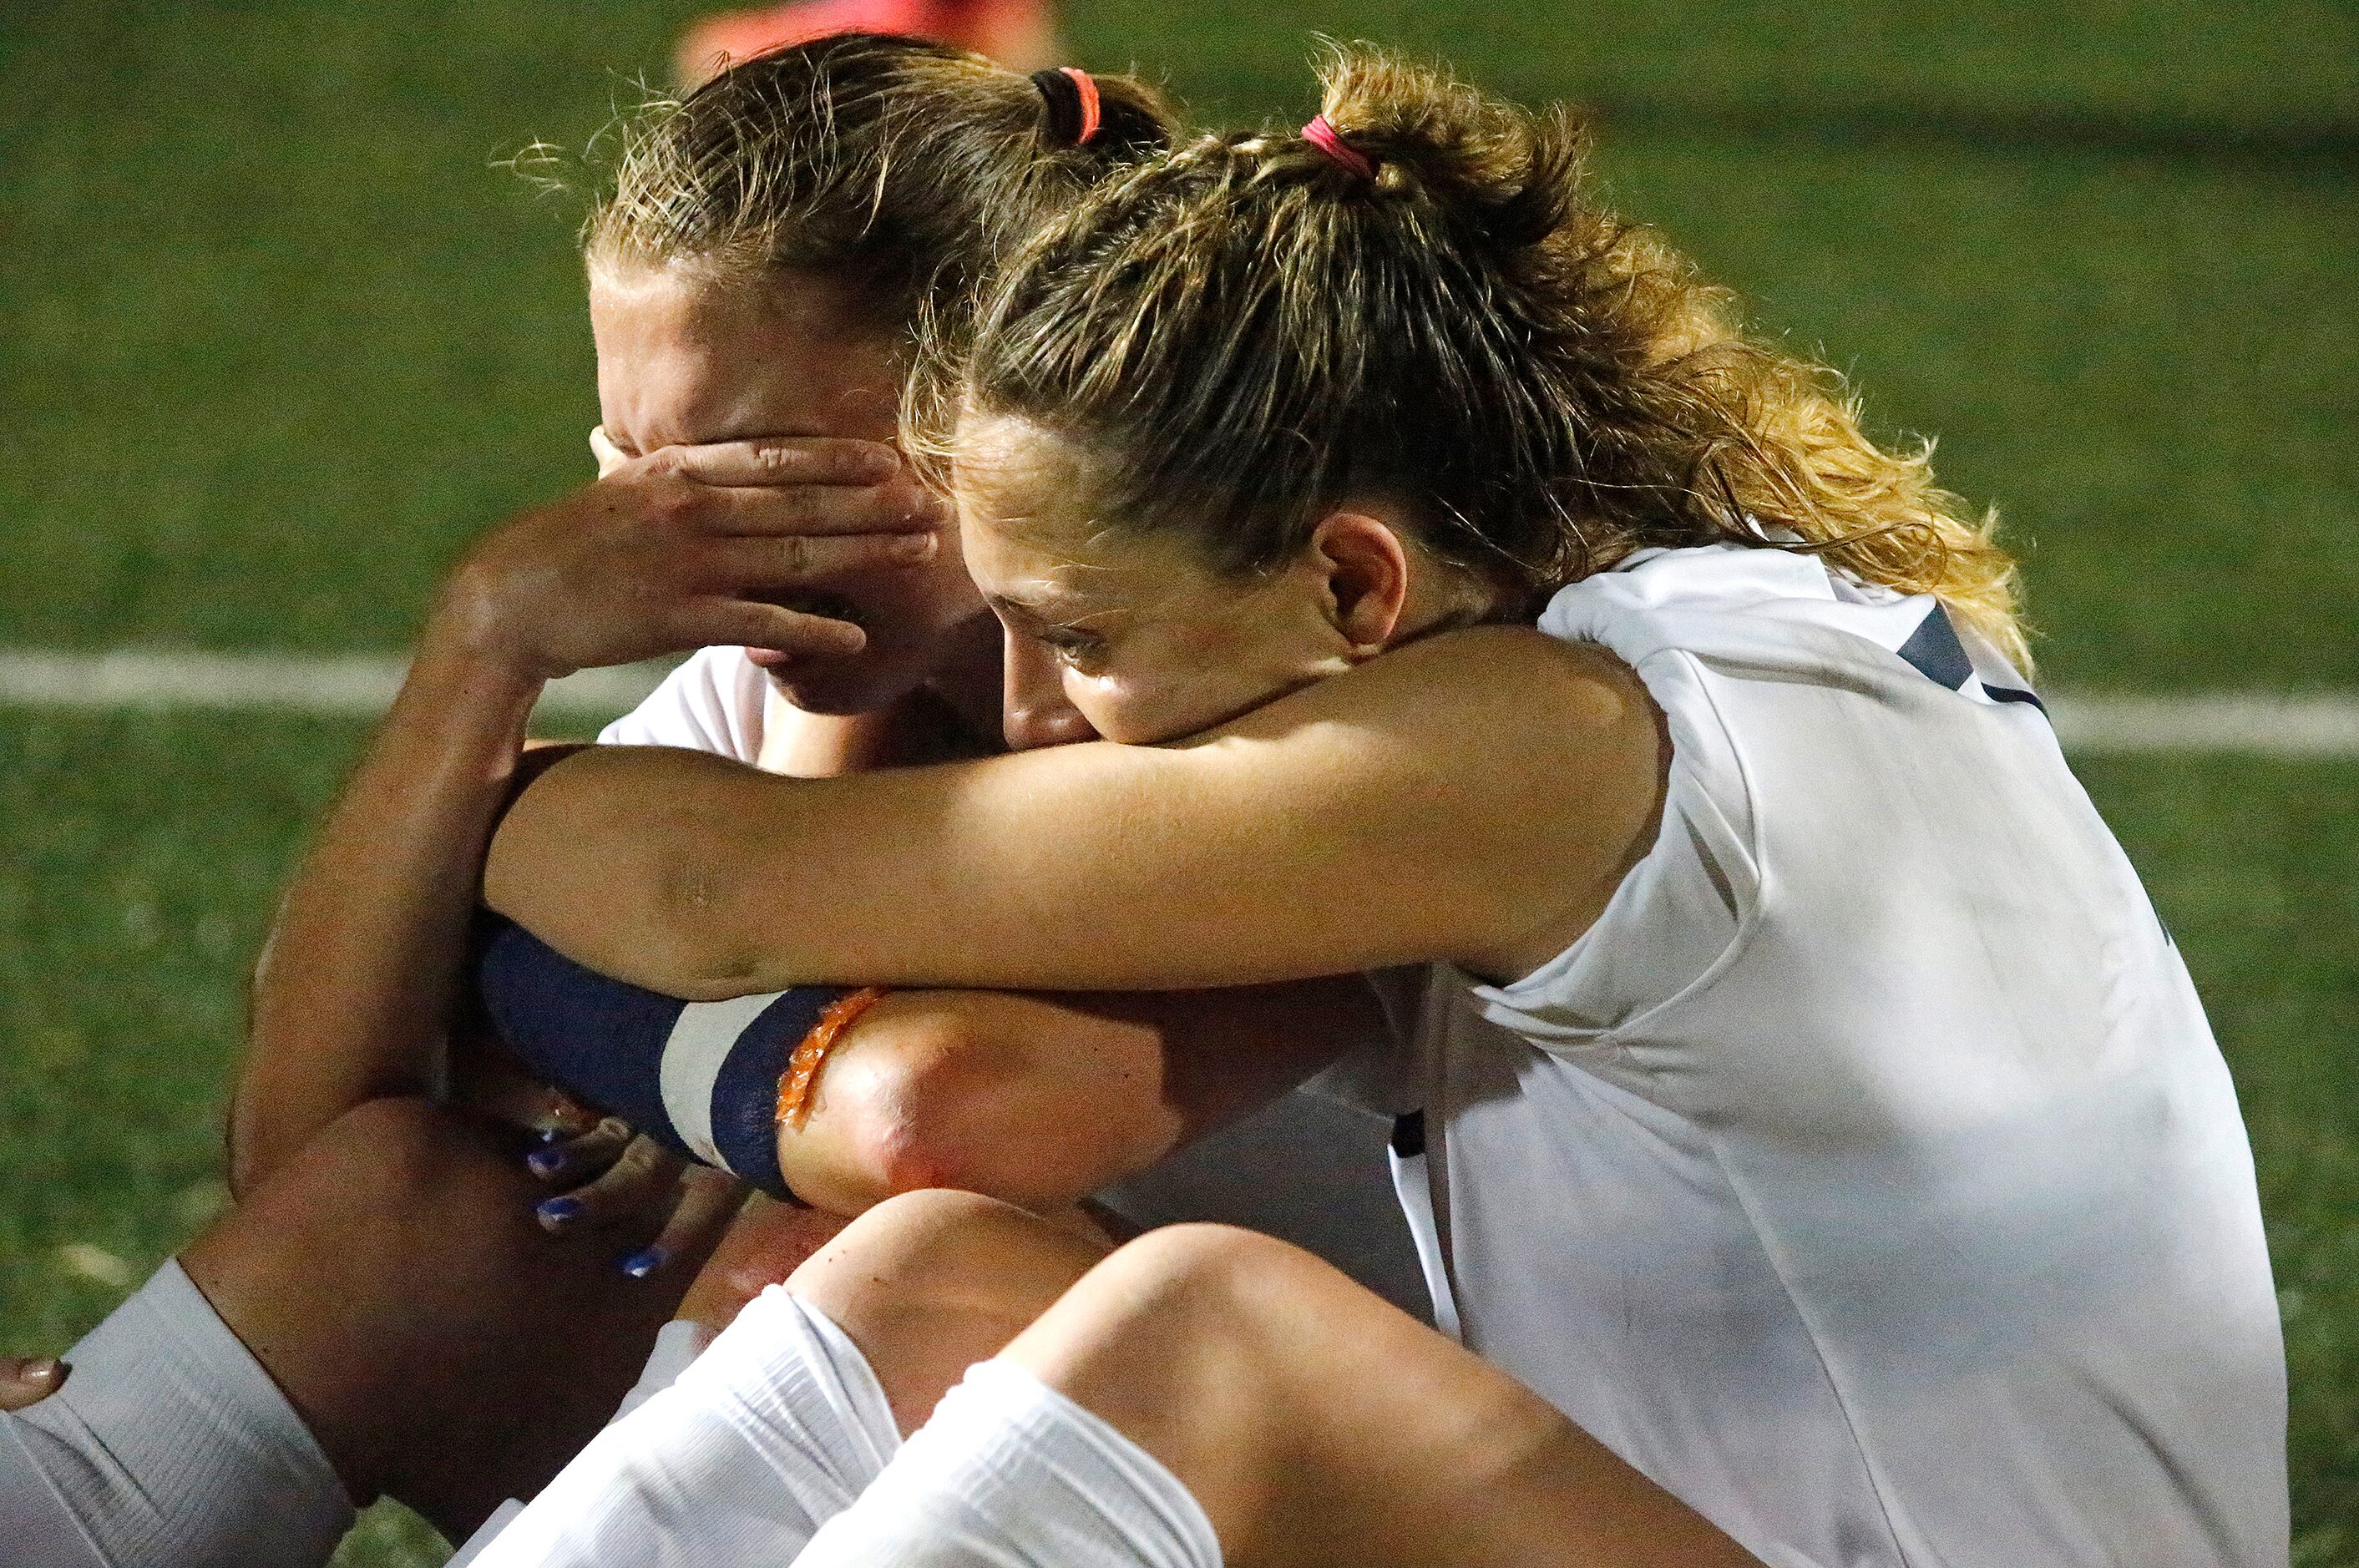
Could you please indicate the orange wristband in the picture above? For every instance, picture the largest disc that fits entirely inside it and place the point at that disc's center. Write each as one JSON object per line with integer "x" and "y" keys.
{"x": 810, "y": 1052}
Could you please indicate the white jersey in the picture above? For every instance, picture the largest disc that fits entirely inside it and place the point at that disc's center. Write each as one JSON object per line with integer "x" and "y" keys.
{"x": 1307, "y": 1168}
{"x": 1867, "y": 1175}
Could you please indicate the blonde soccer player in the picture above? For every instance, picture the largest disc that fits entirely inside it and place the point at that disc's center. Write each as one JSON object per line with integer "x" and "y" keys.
{"x": 1819, "y": 1149}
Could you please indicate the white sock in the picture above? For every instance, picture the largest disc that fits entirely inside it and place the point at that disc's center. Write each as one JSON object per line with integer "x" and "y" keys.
{"x": 1011, "y": 1473}
{"x": 770, "y": 1432}
{"x": 169, "y": 1443}
{"x": 678, "y": 1344}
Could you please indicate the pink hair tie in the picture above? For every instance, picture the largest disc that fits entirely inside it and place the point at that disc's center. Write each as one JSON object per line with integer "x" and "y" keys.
{"x": 1323, "y": 135}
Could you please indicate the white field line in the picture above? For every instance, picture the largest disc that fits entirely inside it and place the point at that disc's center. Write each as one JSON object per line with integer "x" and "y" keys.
{"x": 2318, "y": 725}
{"x": 353, "y": 685}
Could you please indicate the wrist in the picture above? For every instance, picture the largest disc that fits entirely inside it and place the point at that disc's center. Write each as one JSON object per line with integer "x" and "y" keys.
{"x": 475, "y": 620}
{"x": 472, "y": 673}
{"x": 464, "y": 637}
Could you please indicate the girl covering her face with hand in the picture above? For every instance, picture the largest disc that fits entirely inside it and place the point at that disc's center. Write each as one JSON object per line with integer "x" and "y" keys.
{"x": 1800, "y": 1094}
{"x": 757, "y": 269}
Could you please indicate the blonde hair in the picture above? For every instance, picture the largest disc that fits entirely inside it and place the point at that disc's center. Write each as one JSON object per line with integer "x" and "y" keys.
{"x": 1245, "y": 331}
{"x": 908, "y": 168}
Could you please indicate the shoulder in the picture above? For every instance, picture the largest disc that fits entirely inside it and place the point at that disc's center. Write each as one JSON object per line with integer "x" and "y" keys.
{"x": 1496, "y": 765}
{"x": 1505, "y": 691}
{"x": 713, "y": 702}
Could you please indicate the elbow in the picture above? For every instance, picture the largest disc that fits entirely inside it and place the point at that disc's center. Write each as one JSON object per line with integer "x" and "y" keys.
{"x": 695, "y": 940}
{"x": 640, "y": 864}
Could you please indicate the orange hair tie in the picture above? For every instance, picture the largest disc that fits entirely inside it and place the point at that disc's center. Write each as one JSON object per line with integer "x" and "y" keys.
{"x": 1087, "y": 86}
{"x": 1071, "y": 93}
{"x": 810, "y": 1052}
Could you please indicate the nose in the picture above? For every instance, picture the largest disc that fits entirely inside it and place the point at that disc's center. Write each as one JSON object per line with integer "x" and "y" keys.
{"x": 1034, "y": 711}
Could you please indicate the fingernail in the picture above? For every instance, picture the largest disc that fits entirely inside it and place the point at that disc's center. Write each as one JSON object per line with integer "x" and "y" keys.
{"x": 550, "y": 1134}
{"x": 558, "y": 1211}
{"x": 641, "y": 1264}
{"x": 44, "y": 1369}
{"x": 915, "y": 547}
{"x": 545, "y": 1161}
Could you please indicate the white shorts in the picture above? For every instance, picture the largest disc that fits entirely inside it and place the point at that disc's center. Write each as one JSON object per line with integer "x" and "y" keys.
{"x": 168, "y": 1444}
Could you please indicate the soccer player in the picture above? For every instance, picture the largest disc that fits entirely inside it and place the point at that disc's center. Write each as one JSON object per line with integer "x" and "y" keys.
{"x": 378, "y": 1306}
{"x": 1828, "y": 1155}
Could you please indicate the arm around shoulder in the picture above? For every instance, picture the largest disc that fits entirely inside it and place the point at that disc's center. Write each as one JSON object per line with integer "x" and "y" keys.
{"x": 1474, "y": 797}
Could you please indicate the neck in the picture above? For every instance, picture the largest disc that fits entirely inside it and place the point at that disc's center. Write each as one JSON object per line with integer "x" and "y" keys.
{"x": 1445, "y": 598}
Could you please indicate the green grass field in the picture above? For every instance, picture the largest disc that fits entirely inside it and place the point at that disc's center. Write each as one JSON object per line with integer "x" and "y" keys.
{"x": 278, "y": 335}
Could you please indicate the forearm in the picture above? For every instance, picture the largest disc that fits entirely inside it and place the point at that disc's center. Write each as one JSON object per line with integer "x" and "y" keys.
{"x": 1474, "y": 798}
{"x": 355, "y": 984}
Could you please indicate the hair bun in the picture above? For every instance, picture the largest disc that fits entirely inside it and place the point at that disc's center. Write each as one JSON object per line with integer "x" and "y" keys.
{"x": 1506, "y": 173}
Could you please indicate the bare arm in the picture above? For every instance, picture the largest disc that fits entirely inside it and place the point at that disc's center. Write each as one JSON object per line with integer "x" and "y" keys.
{"x": 1475, "y": 797}
{"x": 355, "y": 982}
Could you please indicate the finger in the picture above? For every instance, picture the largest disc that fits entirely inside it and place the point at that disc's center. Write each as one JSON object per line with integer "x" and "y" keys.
{"x": 900, "y": 506}
{"x": 709, "y": 1199}
{"x": 582, "y": 1157}
{"x": 780, "y": 460}
{"x": 601, "y": 447}
{"x": 493, "y": 1085}
{"x": 749, "y": 623}
{"x": 635, "y": 1186}
{"x": 30, "y": 1379}
{"x": 791, "y": 560}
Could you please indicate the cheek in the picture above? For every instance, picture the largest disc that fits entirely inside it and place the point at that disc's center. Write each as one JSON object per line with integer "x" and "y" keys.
{"x": 1158, "y": 694}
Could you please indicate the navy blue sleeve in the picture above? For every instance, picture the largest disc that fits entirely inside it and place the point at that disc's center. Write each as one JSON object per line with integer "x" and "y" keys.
{"x": 603, "y": 1042}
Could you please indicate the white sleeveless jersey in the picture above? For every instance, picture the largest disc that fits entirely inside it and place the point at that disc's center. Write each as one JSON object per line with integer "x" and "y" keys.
{"x": 1867, "y": 1176}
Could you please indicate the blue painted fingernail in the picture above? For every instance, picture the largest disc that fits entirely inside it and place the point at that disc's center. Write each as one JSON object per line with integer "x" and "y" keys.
{"x": 556, "y": 1211}
{"x": 639, "y": 1265}
{"x": 550, "y": 1134}
{"x": 545, "y": 1161}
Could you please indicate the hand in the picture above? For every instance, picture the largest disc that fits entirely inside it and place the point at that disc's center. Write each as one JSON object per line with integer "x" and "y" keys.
{"x": 632, "y": 1183}
{"x": 30, "y": 1379}
{"x": 485, "y": 1081}
{"x": 685, "y": 548}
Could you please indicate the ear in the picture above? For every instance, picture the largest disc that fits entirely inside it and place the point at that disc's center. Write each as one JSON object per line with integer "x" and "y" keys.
{"x": 1366, "y": 567}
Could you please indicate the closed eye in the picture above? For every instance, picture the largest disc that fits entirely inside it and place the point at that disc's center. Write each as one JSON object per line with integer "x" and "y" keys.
{"x": 1077, "y": 650}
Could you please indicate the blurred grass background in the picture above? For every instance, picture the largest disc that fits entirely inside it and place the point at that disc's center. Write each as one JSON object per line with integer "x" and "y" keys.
{"x": 276, "y": 335}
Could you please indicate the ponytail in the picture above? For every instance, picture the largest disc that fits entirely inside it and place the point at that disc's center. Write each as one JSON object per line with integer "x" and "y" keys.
{"x": 1416, "y": 297}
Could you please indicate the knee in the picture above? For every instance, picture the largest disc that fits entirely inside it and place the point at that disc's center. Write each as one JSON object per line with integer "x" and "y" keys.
{"x": 944, "y": 1091}
{"x": 929, "y": 1283}
{"x": 1223, "y": 1270}
{"x": 908, "y": 1105}
{"x": 1205, "y": 1302}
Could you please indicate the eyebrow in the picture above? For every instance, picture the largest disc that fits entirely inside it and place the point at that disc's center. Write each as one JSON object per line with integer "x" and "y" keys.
{"x": 1044, "y": 615}
{"x": 1022, "y": 610}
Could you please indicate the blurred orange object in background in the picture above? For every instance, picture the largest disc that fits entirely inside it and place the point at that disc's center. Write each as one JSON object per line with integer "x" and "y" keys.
{"x": 1021, "y": 33}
